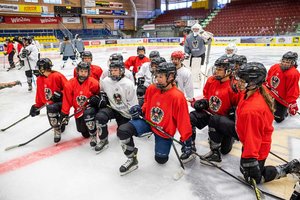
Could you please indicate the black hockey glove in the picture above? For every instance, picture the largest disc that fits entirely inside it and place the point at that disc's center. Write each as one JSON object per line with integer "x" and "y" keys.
{"x": 103, "y": 100}
{"x": 25, "y": 53}
{"x": 64, "y": 118}
{"x": 34, "y": 111}
{"x": 201, "y": 104}
{"x": 136, "y": 112}
{"x": 250, "y": 169}
{"x": 57, "y": 96}
{"x": 187, "y": 147}
{"x": 94, "y": 101}
{"x": 141, "y": 90}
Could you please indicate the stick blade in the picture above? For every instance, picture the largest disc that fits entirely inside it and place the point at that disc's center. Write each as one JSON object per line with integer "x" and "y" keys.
{"x": 11, "y": 147}
{"x": 179, "y": 174}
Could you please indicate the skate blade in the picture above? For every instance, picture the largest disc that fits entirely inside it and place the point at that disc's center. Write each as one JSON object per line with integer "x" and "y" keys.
{"x": 204, "y": 162}
{"x": 178, "y": 175}
{"x": 105, "y": 147}
{"x": 192, "y": 157}
{"x": 130, "y": 170}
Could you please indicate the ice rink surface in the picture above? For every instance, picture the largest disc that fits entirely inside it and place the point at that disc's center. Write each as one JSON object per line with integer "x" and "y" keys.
{"x": 72, "y": 170}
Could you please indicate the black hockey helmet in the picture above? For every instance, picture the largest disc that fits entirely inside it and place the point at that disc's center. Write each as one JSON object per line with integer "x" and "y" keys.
{"x": 240, "y": 60}
{"x": 87, "y": 54}
{"x": 28, "y": 39}
{"x": 154, "y": 54}
{"x": 225, "y": 62}
{"x": 116, "y": 56}
{"x": 44, "y": 64}
{"x": 139, "y": 48}
{"x": 117, "y": 64}
{"x": 166, "y": 68}
{"x": 254, "y": 73}
{"x": 293, "y": 56}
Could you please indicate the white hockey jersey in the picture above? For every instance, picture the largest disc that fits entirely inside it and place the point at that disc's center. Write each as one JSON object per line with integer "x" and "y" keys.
{"x": 184, "y": 82}
{"x": 121, "y": 94}
{"x": 145, "y": 72}
{"x": 32, "y": 57}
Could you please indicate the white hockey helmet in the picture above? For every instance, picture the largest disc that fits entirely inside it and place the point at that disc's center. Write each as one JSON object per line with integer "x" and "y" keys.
{"x": 197, "y": 28}
{"x": 230, "y": 49}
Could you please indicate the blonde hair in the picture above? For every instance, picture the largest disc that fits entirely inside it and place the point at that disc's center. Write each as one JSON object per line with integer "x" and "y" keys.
{"x": 268, "y": 98}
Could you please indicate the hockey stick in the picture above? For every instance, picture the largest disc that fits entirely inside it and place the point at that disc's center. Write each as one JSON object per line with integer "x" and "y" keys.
{"x": 286, "y": 104}
{"x": 256, "y": 190}
{"x": 278, "y": 157}
{"x": 4, "y": 129}
{"x": 180, "y": 173}
{"x": 23, "y": 144}
{"x": 207, "y": 59}
{"x": 30, "y": 69}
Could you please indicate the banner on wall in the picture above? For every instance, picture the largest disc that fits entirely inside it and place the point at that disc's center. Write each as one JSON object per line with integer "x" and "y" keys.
{"x": 258, "y": 40}
{"x": 148, "y": 27}
{"x": 71, "y": 20}
{"x": 226, "y": 40}
{"x": 102, "y": 4}
{"x": 115, "y": 5}
{"x": 31, "y": 20}
{"x": 9, "y": 7}
{"x": 30, "y": 8}
{"x": 105, "y": 12}
{"x": 296, "y": 40}
{"x": 118, "y": 24}
{"x": 95, "y": 20}
{"x": 91, "y": 11}
{"x": 120, "y": 12}
{"x": 90, "y": 3}
{"x": 1, "y": 19}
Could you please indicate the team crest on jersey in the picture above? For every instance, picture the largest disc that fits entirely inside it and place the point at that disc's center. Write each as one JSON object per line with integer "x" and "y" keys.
{"x": 195, "y": 44}
{"x": 156, "y": 115}
{"x": 81, "y": 100}
{"x": 215, "y": 103}
{"x": 275, "y": 81}
{"x": 48, "y": 93}
{"x": 117, "y": 98}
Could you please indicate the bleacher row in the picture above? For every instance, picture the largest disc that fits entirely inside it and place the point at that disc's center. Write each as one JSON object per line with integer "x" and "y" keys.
{"x": 245, "y": 18}
{"x": 41, "y": 39}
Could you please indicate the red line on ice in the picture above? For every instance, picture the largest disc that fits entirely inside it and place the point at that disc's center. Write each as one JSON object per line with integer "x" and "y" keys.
{"x": 28, "y": 159}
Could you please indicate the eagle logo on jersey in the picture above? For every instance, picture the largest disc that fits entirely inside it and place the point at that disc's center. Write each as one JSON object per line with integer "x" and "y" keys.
{"x": 195, "y": 44}
{"x": 275, "y": 81}
{"x": 48, "y": 93}
{"x": 156, "y": 115}
{"x": 81, "y": 100}
{"x": 117, "y": 98}
{"x": 215, "y": 103}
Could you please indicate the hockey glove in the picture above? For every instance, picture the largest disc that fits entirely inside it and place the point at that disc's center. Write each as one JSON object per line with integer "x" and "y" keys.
{"x": 103, "y": 100}
{"x": 57, "y": 97}
{"x": 36, "y": 72}
{"x": 64, "y": 119}
{"x": 201, "y": 104}
{"x": 187, "y": 147}
{"x": 250, "y": 169}
{"x": 34, "y": 111}
{"x": 25, "y": 53}
{"x": 136, "y": 112}
{"x": 293, "y": 108}
{"x": 94, "y": 101}
{"x": 141, "y": 90}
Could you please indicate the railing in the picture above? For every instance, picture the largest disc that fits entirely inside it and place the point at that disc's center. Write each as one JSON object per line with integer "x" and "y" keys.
{"x": 65, "y": 31}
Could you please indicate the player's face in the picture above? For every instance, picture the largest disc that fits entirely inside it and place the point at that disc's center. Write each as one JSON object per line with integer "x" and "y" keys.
{"x": 176, "y": 61}
{"x": 83, "y": 74}
{"x": 141, "y": 53}
{"x": 160, "y": 79}
{"x": 241, "y": 84}
{"x": 87, "y": 59}
{"x": 286, "y": 63}
{"x": 219, "y": 72}
{"x": 114, "y": 71}
{"x": 229, "y": 51}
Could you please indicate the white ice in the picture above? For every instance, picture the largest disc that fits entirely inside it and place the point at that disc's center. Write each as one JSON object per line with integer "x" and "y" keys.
{"x": 78, "y": 173}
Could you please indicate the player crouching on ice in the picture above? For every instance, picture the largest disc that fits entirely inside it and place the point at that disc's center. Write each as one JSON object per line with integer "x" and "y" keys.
{"x": 49, "y": 92}
{"x": 165, "y": 107}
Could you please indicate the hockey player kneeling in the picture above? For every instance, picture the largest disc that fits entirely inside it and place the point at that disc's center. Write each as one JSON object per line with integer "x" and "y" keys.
{"x": 156, "y": 110}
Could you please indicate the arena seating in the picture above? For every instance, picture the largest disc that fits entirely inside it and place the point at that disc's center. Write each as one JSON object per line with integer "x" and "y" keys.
{"x": 256, "y": 18}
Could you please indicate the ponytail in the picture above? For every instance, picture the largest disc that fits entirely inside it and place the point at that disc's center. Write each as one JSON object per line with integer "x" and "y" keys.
{"x": 268, "y": 98}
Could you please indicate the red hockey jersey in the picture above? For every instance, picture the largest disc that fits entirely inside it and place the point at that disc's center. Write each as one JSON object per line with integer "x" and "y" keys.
{"x": 136, "y": 62}
{"x": 254, "y": 126}
{"x": 96, "y": 72}
{"x": 168, "y": 110}
{"x": 220, "y": 96}
{"x": 76, "y": 95}
{"x": 283, "y": 84}
{"x": 46, "y": 86}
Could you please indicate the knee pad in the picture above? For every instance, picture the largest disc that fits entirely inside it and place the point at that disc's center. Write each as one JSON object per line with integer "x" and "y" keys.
{"x": 193, "y": 118}
{"x": 28, "y": 73}
{"x": 214, "y": 121}
{"x": 126, "y": 131}
{"x": 54, "y": 108}
{"x": 278, "y": 119}
{"x": 161, "y": 160}
{"x": 53, "y": 119}
{"x": 102, "y": 118}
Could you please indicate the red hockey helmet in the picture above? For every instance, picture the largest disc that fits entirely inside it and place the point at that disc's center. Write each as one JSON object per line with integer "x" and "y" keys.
{"x": 178, "y": 54}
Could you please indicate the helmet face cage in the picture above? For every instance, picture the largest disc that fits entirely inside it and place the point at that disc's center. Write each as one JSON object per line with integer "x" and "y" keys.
{"x": 253, "y": 73}
{"x": 120, "y": 66}
{"x": 289, "y": 57}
